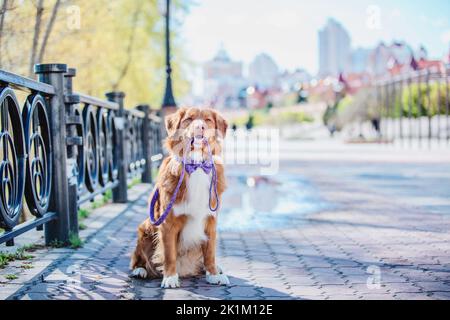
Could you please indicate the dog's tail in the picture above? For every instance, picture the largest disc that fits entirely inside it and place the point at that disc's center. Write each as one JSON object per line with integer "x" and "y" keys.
{"x": 145, "y": 249}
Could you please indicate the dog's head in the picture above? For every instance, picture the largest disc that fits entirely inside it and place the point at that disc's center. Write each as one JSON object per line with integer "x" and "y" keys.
{"x": 188, "y": 123}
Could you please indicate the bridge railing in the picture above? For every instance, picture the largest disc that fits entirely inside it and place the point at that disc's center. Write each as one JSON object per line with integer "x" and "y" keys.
{"x": 61, "y": 149}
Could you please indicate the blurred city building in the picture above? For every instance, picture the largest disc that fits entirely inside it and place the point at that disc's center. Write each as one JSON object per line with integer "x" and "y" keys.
{"x": 225, "y": 86}
{"x": 360, "y": 60}
{"x": 358, "y": 68}
{"x": 384, "y": 57}
{"x": 223, "y": 80}
{"x": 334, "y": 49}
{"x": 340, "y": 66}
{"x": 399, "y": 58}
{"x": 263, "y": 72}
{"x": 294, "y": 81}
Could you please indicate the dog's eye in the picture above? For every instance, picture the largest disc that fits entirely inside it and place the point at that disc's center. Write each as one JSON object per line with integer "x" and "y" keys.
{"x": 187, "y": 120}
{"x": 208, "y": 120}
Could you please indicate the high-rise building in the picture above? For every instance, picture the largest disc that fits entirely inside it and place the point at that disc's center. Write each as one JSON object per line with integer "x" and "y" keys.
{"x": 263, "y": 72}
{"x": 334, "y": 49}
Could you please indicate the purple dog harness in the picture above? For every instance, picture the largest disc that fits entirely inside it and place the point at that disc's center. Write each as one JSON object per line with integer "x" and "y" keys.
{"x": 207, "y": 166}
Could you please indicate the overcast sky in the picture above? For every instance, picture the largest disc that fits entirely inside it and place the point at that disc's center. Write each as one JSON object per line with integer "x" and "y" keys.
{"x": 287, "y": 29}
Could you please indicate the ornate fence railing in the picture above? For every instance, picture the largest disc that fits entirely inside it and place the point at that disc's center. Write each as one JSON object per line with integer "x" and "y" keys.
{"x": 415, "y": 107}
{"x": 60, "y": 149}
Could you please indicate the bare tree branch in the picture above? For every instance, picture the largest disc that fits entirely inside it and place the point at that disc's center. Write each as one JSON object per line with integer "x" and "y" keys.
{"x": 129, "y": 50}
{"x": 2, "y": 23}
{"x": 48, "y": 31}
{"x": 37, "y": 31}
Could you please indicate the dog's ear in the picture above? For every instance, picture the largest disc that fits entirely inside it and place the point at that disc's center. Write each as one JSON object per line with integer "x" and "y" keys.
{"x": 221, "y": 123}
{"x": 172, "y": 121}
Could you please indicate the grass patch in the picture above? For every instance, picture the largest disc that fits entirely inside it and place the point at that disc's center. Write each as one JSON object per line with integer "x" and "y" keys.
{"x": 263, "y": 117}
{"x": 11, "y": 277}
{"x": 288, "y": 117}
{"x": 7, "y": 257}
{"x": 27, "y": 266}
{"x": 32, "y": 247}
{"x": 96, "y": 204}
{"x": 107, "y": 196}
{"x": 82, "y": 226}
{"x": 75, "y": 241}
{"x": 21, "y": 254}
{"x": 83, "y": 214}
{"x": 57, "y": 244}
{"x": 155, "y": 173}
{"x": 134, "y": 182}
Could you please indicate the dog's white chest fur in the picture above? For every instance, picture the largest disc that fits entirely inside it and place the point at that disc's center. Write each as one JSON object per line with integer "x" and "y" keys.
{"x": 196, "y": 207}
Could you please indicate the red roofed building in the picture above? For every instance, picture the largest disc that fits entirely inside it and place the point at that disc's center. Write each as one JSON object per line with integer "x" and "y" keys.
{"x": 431, "y": 65}
{"x": 414, "y": 65}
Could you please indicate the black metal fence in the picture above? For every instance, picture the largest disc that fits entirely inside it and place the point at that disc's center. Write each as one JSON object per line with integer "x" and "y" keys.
{"x": 415, "y": 107}
{"x": 62, "y": 148}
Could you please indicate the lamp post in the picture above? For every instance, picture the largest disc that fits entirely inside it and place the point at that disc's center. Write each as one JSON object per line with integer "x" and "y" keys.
{"x": 169, "y": 105}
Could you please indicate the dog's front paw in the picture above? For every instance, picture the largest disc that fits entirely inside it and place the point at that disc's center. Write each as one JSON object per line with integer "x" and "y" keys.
{"x": 139, "y": 273}
{"x": 170, "y": 281}
{"x": 219, "y": 278}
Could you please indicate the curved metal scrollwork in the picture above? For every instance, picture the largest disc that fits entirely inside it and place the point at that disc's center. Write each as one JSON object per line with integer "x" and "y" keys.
{"x": 100, "y": 158}
{"x": 135, "y": 153}
{"x": 39, "y": 150}
{"x": 103, "y": 146}
{"x": 12, "y": 159}
{"x": 136, "y": 158}
{"x": 80, "y": 154}
{"x": 140, "y": 159}
{"x": 131, "y": 144}
{"x": 112, "y": 138}
{"x": 153, "y": 139}
{"x": 91, "y": 148}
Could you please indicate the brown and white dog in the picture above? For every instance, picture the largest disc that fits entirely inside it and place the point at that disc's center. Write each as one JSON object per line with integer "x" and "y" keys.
{"x": 185, "y": 243}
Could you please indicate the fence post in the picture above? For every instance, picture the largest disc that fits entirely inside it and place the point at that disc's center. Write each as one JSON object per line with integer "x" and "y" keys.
{"x": 160, "y": 131}
{"x": 428, "y": 103}
{"x": 58, "y": 229}
{"x": 72, "y": 140}
{"x": 120, "y": 193}
{"x": 147, "y": 173}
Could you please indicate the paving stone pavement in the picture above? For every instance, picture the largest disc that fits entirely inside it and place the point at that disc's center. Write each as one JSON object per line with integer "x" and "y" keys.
{"x": 366, "y": 246}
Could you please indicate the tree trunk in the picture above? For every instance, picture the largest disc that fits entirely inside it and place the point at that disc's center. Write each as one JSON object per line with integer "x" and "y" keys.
{"x": 48, "y": 31}
{"x": 37, "y": 31}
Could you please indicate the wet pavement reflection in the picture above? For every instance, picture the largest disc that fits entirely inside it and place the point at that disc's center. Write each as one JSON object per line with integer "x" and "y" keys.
{"x": 254, "y": 202}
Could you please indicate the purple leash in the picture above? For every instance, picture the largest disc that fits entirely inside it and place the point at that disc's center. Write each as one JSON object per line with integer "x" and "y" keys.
{"x": 189, "y": 167}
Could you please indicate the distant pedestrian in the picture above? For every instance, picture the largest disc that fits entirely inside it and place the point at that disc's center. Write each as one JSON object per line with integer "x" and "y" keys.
{"x": 376, "y": 126}
{"x": 249, "y": 124}
{"x": 329, "y": 118}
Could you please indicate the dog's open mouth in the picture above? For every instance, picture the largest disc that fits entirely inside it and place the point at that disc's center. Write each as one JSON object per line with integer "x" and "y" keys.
{"x": 198, "y": 140}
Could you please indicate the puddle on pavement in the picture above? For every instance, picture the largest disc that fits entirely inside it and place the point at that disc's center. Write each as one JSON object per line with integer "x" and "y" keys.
{"x": 260, "y": 202}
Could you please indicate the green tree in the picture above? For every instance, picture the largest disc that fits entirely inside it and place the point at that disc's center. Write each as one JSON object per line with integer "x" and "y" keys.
{"x": 114, "y": 45}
